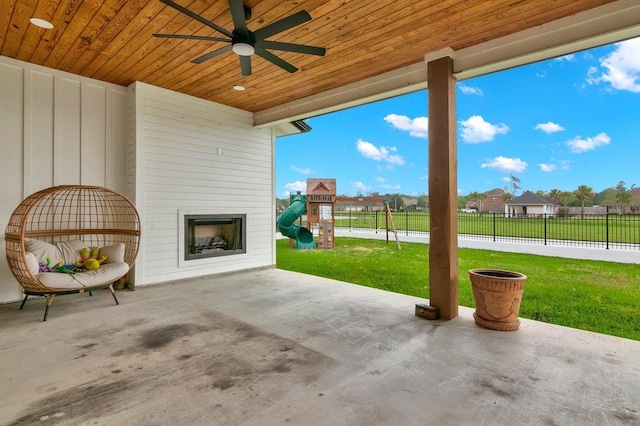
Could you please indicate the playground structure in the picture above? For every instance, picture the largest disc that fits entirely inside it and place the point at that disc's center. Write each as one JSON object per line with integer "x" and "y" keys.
{"x": 319, "y": 206}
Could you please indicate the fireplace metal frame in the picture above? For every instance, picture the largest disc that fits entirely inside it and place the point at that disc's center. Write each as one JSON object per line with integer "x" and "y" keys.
{"x": 214, "y": 219}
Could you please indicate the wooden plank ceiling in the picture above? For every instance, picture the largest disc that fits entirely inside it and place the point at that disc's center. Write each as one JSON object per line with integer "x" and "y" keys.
{"x": 112, "y": 40}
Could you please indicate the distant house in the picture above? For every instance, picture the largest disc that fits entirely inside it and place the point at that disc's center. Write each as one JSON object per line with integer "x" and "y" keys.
{"x": 494, "y": 203}
{"x": 529, "y": 204}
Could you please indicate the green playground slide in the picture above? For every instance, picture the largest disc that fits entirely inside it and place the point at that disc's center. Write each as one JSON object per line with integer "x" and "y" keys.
{"x": 288, "y": 228}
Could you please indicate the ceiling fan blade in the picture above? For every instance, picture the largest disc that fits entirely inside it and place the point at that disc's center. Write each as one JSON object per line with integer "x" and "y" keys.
{"x": 210, "y": 55}
{"x": 191, "y": 37}
{"x": 282, "y": 25}
{"x": 290, "y": 47}
{"x": 198, "y": 18}
{"x": 237, "y": 14}
{"x": 275, "y": 60}
{"x": 245, "y": 64}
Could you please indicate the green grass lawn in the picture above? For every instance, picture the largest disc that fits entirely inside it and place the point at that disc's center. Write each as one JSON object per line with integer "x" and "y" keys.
{"x": 590, "y": 295}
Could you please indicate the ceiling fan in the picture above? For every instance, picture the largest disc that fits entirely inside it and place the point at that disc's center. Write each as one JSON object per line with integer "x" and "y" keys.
{"x": 245, "y": 42}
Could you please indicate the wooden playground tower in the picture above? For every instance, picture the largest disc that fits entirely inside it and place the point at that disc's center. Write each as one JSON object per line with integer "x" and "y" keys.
{"x": 321, "y": 201}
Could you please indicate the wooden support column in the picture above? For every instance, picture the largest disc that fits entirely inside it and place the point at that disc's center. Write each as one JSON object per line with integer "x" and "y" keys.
{"x": 443, "y": 189}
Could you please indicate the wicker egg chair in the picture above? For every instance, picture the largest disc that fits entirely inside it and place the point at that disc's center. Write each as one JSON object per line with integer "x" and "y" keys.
{"x": 95, "y": 215}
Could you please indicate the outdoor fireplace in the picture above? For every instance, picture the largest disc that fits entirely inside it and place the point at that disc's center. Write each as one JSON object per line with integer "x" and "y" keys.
{"x": 212, "y": 235}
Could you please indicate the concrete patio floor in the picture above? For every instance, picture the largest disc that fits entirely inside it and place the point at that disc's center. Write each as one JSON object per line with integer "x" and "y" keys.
{"x": 272, "y": 347}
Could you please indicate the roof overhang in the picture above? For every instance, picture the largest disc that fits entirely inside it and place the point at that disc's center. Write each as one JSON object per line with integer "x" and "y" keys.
{"x": 603, "y": 25}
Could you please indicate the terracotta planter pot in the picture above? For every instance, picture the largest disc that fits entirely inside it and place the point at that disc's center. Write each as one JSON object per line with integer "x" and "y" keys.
{"x": 497, "y": 295}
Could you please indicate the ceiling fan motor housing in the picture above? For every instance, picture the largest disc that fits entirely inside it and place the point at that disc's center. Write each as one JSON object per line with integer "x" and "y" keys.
{"x": 243, "y": 44}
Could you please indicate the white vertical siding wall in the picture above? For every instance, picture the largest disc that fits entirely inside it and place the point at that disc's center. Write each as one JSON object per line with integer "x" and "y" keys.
{"x": 57, "y": 129}
{"x": 160, "y": 148}
{"x": 195, "y": 156}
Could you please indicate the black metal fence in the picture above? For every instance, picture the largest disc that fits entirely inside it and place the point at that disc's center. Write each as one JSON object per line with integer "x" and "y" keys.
{"x": 610, "y": 231}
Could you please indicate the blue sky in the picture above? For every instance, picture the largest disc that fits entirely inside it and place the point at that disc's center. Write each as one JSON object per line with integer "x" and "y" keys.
{"x": 560, "y": 123}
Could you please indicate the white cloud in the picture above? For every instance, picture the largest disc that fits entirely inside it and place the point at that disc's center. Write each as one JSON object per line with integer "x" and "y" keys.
{"x": 379, "y": 179}
{"x": 476, "y": 130}
{"x": 564, "y": 164}
{"x": 418, "y": 127}
{"x": 304, "y": 171}
{"x": 592, "y": 76}
{"x": 579, "y": 145}
{"x": 547, "y": 167}
{"x": 622, "y": 67}
{"x": 504, "y": 164}
{"x": 360, "y": 187}
{"x": 296, "y": 186}
{"x": 549, "y": 127}
{"x": 468, "y": 90}
{"x": 383, "y": 153}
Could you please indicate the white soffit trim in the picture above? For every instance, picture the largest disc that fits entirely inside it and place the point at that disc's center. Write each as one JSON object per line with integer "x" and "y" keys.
{"x": 613, "y": 22}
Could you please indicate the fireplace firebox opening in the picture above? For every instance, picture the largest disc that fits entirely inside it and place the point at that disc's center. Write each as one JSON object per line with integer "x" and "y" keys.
{"x": 212, "y": 235}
